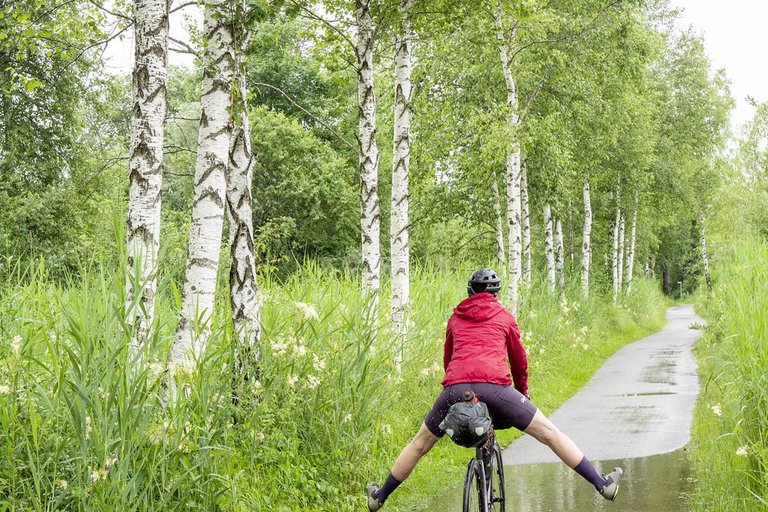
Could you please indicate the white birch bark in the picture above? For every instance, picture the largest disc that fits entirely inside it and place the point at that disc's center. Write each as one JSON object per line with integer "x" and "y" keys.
{"x": 500, "y": 252}
{"x": 243, "y": 296}
{"x": 150, "y": 76}
{"x": 622, "y": 247}
{"x": 615, "y": 251}
{"x": 512, "y": 165}
{"x": 586, "y": 247}
{"x": 631, "y": 253}
{"x": 401, "y": 160}
{"x": 210, "y": 189}
{"x": 526, "y": 218}
{"x": 368, "y": 156}
{"x": 560, "y": 258}
{"x": 704, "y": 257}
{"x": 549, "y": 248}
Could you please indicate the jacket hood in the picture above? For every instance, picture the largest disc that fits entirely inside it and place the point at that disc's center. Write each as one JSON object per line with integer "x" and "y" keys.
{"x": 478, "y": 307}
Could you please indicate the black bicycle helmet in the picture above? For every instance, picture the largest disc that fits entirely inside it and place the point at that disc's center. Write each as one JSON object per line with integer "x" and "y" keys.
{"x": 483, "y": 280}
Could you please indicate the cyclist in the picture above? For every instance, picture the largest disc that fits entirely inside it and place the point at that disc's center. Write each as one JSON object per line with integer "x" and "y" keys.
{"x": 481, "y": 336}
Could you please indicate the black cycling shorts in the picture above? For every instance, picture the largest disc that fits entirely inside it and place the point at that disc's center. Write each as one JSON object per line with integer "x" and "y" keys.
{"x": 508, "y": 407}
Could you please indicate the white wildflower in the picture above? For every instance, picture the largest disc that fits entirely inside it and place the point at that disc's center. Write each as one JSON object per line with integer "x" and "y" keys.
{"x": 156, "y": 369}
{"x": 584, "y": 329}
{"x": 742, "y": 451}
{"x": 292, "y": 380}
{"x": 299, "y": 351}
{"x": 565, "y": 308}
{"x": 88, "y": 427}
{"x": 16, "y": 345}
{"x": 347, "y": 418}
{"x": 541, "y": 350}
{"x": 385, "y": 428}
{"x": 425, "y": 372}
{"x": 5, "y": 389}
{"x": 585, "y": 346}
{"x": 62, "y": 483}
{"x": 260, "y": 436}
{"x": 319, "y": 364}
{"x": 343, "y": 309}
{"x": 312, "y": 382}
{"x": 279, "y": 349}
{"x": 716, "y": 409}
{"x": 52, "y": 336}
{"x": 95, "y": 476}
{"x": 257, "y": 384}
{"x": 308, "y": 311}
{"x": 436, "y": 368}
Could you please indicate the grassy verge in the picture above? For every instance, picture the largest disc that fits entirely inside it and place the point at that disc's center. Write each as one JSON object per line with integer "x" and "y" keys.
{"x": 730, "y": 427}
{"x": 82, "y": 426}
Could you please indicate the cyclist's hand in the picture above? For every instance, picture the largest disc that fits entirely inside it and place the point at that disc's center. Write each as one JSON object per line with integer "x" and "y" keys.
{"x": 528, "y": 396}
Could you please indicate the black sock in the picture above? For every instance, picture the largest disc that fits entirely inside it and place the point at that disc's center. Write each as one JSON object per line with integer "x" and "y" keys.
{"x": 390, "y": 484}
{"x": 590, "y": 474}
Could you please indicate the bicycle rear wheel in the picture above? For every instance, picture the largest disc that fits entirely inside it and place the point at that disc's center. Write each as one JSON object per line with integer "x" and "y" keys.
{"x": 497, "y": 499}
{"x": 475, "y": 497}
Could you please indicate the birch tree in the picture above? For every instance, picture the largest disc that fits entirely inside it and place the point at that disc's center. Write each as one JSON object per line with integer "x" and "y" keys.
{"x": 622, "y": 246}
{"x": 704, "y": 258}
{"x": 560, "y": 258}
{"x": 150, "y": 76}
{"x": 499, "y": 225}
{"x": 505, "y": 35}
{"x": 526, "y": 224}
{"x": 243, "y": 296}
{"x": 631, "y": 253}
{"x": 586, "y": 247}
{"x": 209, "y": 188}
{"x": 400, "y": 172}
{"x": 549, "y": 248}
{"x": 368, "y": 154}
{"x": 615, "y": 249}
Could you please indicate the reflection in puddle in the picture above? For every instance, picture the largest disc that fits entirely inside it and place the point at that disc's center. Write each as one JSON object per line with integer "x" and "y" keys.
{"x": 651, "y": 484}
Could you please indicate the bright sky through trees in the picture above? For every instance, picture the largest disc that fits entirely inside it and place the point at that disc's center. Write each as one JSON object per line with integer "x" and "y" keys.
{"x": 736, "y": 36}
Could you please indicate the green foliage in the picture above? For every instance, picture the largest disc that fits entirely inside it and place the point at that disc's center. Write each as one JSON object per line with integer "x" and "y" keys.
{"x": 83, "y": 427}
{"x": 731, "y": 423}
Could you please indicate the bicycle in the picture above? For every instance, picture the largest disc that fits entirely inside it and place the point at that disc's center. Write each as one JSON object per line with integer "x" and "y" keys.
{"x": 484, "y": 480}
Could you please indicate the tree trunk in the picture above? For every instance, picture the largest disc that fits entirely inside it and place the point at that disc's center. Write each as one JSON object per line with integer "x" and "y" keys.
{"x": 615, "y": 252}
{"x": 586, "y": 253}
{"x": 400, "y": 169}
{"x": 560, "y": 258}
{"x": 242, "y": 269}
{"x": 368, "y": 157}
{"x": 665, "y": 281}
{"x": 549, "y": 248}
{"x": 210, "y": 188}
{"x": 526, "y": 224}
{"x": 150, "y": 77}
{"x": 631, "y": 254}
{"x": 704, "y": 257}
{"x": 500, "y": 253}
{"x": 512, "y": 165}
{"x": 622, "y": 246}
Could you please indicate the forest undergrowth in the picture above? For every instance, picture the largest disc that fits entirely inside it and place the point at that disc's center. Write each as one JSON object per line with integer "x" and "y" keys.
{"x": 730, "y": 430}
{"x": 82, "y": 426}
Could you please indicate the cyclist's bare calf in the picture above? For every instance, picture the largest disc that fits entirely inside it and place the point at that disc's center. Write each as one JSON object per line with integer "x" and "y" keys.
{"x": 421, "y": 443}
{"x": 546, "y": 432}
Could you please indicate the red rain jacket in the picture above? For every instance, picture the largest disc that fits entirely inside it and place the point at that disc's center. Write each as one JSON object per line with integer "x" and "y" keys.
{"x": 481, "y": 335}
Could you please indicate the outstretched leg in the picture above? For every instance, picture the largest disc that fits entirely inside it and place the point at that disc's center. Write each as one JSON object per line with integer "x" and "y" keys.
{"x": 543, "y": 430}
{"x": 406, "y": 461}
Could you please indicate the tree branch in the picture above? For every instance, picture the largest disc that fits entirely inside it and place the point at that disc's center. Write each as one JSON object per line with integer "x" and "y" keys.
{"x": 187, "y": 47}
{"x": 182, "y": 6}
{"x": 310, "y": 114}
{"x": 115, "y": 14}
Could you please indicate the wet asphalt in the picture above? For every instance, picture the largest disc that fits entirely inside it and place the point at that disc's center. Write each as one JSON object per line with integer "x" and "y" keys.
{"x": 639, "y": 403}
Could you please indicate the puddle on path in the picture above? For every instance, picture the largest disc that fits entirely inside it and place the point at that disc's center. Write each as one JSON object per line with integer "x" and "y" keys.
{"x": 660, "y": 483}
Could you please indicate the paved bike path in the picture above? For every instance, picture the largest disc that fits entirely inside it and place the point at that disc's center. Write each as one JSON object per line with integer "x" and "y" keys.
{"x": 639, "y": 403}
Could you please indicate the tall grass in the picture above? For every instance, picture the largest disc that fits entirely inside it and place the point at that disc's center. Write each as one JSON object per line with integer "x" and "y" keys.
{"x": 731, "y": 422}
{"x": 83, "y": 427}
